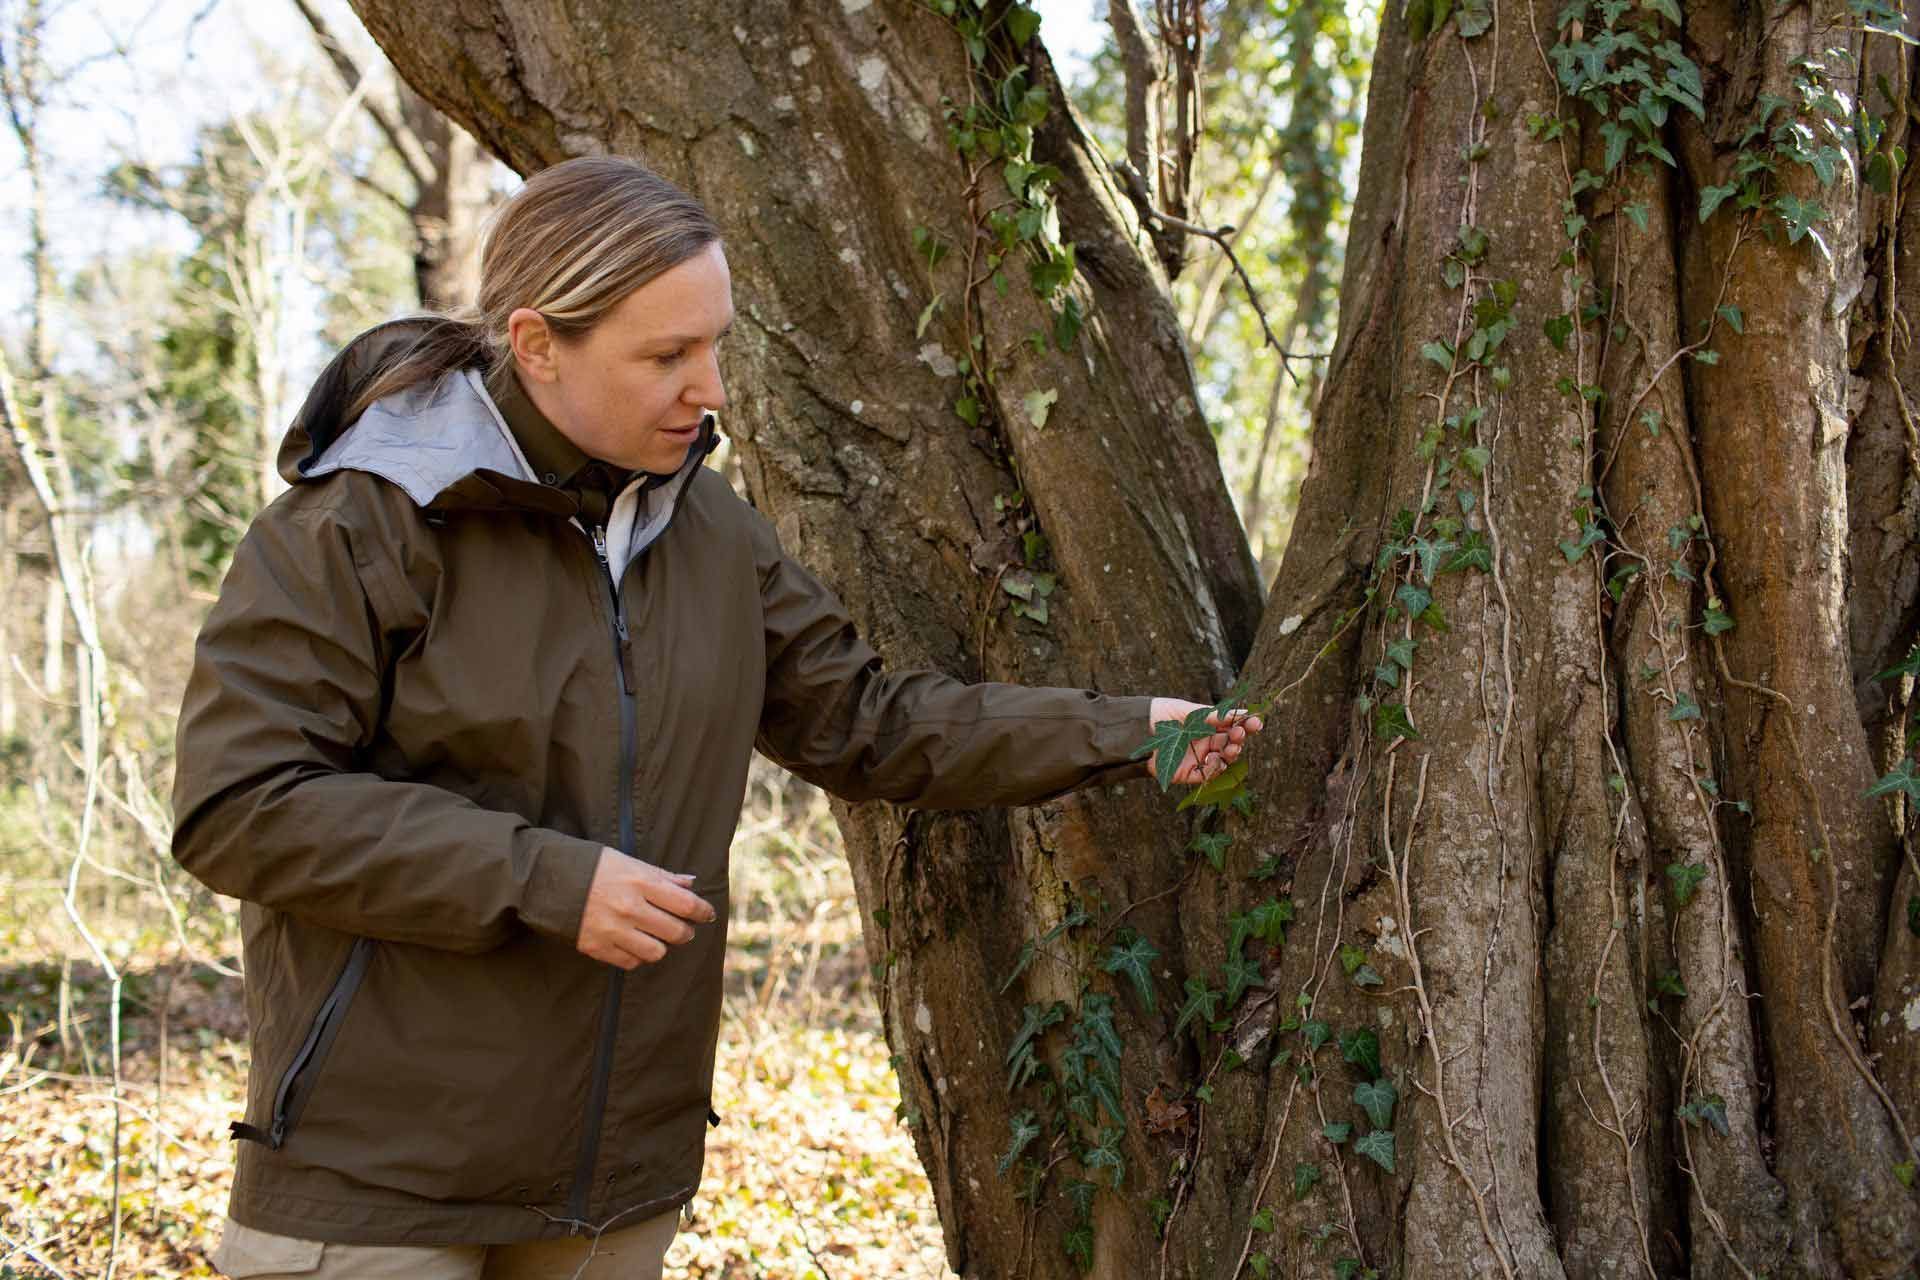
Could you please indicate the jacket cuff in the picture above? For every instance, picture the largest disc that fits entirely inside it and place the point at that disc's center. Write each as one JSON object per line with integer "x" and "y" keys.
{"x": 557, "y": 883}
{"x": 1123, "y": 727}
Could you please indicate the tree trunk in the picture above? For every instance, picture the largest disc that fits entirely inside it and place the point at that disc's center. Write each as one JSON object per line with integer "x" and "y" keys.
{"x": 1570, "y": 656}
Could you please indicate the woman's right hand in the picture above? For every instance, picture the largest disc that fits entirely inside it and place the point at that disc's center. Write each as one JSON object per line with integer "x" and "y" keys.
{"x": 635, "y": 911}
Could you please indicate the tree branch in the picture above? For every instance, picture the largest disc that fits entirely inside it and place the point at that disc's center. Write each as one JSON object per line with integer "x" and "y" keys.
{"x": 408, "y": 147}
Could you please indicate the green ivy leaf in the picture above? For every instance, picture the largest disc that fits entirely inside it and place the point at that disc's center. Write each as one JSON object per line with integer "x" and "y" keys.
{"x": 1134, "y": 960}
{"x": 1685, "y": 878}
{"x": 1219, "y": 789}
{"x": 1733, "y": 316}
{"x": 1590, "y": 533}
{"x": 1669, "y": 984}
{"x": 1336, "y": 1132}
{"x": 1440, "y": 353}
{"x": 1401, "y": 651}
{"x": 1316, "y": 1033}
{"x": 1475, "y": 459}
{"x": 1366, "y": 976}
{"x": 1798, "y": 214}
{"x": 1390, "y": 722}
{"x": 1377, "y": 1099}
{"x": 1902, "y": 780}
{"x": 1715, "y": 620}
{"x": 1026, "y": 1127}
{"x": 1262, "y": 1221}
{"x": 1908, "y": 666}
{"x": 1260, "y": 1264}
{"x": 1241, "y": 973}
{"x": 1022, "y": 23}
{"x": 1169, "y": 742}
{"x": 1476, "y": 18}
{"x": 1377, "y": 1147}
{"x": 1474, "y": 553}
{"x": 1712, "y": 198}
{"x": 1361, "y": 1047}
{"x": 1711, "y": 1109}
{"x": 1304, "y": 1178}
{"x": 1203, "y": 1002}
{"x": 1684, "y": 707}
{"x": 1213, "y": 846}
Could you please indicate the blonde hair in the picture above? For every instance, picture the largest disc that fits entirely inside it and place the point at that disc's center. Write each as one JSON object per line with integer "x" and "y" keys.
{"x": 571, "y": 244}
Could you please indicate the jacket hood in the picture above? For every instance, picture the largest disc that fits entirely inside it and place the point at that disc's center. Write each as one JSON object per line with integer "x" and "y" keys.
{"x": 442, "y": 441}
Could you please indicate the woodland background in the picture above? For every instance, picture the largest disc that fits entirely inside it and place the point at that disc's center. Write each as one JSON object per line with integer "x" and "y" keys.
{"x": 204, "y": 200}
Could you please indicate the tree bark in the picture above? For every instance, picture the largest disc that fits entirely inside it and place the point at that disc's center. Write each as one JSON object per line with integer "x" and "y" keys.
{"x": 1569, "y": 658}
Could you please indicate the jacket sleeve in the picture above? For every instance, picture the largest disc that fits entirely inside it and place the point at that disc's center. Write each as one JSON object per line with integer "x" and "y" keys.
{"x": 272, "y": 800}
{"x": 834, "y": 717}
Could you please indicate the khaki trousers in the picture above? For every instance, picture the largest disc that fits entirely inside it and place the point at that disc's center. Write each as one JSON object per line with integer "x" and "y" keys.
{"x": 628, "y": 1253}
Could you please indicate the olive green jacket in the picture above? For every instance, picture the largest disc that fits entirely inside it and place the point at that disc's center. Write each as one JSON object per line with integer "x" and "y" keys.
{"x": 419, "y": 710}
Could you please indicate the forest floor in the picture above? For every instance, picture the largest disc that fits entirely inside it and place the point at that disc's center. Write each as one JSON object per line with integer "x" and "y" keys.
{"x": 810, "y": 1173}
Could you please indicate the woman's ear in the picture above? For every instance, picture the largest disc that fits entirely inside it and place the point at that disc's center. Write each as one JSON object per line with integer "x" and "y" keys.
{"x": 532, "y": 343}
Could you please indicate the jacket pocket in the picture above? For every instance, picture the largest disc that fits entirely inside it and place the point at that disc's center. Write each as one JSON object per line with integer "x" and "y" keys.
{"x": 245, "y": 1252}
{"x": 296, "y": 1082}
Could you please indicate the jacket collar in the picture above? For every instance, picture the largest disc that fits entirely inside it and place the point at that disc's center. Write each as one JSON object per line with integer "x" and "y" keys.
{"x": 448, "y": 446}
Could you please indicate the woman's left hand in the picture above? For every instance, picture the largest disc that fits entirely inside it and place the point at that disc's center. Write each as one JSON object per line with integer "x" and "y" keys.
{"x": 1210, "y": 755}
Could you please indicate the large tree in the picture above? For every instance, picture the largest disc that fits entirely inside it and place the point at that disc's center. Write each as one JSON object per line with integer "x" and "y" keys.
{"x": 1563, "y": 925}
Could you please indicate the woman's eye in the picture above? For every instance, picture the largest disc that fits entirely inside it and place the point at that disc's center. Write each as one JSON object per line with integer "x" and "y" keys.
{"x": 671, "y": 358}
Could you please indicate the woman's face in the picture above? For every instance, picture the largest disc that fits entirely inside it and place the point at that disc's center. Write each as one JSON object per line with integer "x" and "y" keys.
{"x": 632, "y": 390}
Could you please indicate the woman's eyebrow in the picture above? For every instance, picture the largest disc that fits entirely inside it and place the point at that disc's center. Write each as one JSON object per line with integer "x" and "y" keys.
{"x": 681, "y": 340}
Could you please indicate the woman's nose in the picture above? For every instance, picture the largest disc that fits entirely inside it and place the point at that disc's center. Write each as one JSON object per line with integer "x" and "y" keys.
{"x": 707, "y": 390}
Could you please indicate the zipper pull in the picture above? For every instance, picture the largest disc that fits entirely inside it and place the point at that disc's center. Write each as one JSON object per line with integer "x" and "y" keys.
{"x": 600, "y": 548}
{"x": 626, "y": 650}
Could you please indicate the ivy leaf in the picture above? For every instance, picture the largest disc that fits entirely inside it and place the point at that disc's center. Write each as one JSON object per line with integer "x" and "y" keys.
{"x": 1430, "y": 552}
{"x": 1260, "y": 1264}
{"x": 1711, "y": 1109}
{"x": 1665, "y": 8}
{"x": 1733, "y": 316}
{"x": 1685, "y": 877}
{"x": 1203, "y": 1002}
{"x": 1213, "y": 845}
{"x": 1133, "y": 960}
{"x": 1241, "y": 973}
{"x": 1902, "y": 780}
{"x": 1170, "y": 741}
{"x": 1476, "y": 17}
{"x": 1361, "y": 1047}
{"x": 1715, "y": 620}
{"x": 1712, "y": 198}
{"x": 1026, "y": 1127}
{"x": 1617, "y": 136}
{"x": 1039, "y": 404}
{"x": 1316, "y": 1033}
{"x": 1352, "y": 957}
{"x": 1474, "y": 553}
{"x": 1909, "y": 666}
{"x": 1304, "y": 1178}
{"x": 1413, "y": 599}
{"x": 1219, "y": 789}
{"x": 1268, "y": 921}
{"x": 1365, "y": 976}
{"x": 1337, "y": 1132}
{"x": 1377, "y": 1147}
{"x": 1079, "y": 1246}
{"x": 1377, "y": 1101}
{"x": 1590, "y": 533}
{"x": 1798, "y": 214}
{"x": 1390, "y": 722}
{"x": 1669, "y": 984}
{"x": 1438, "y": 352}
{"x": 1388, "y": 674}
{"x": 1401, "y": 651}
{"x": 1475, "y": 459}
{"x": 1262, "y": 1221}
{"x": 1684, "y": 707}
{"x": 1022, "y": 23}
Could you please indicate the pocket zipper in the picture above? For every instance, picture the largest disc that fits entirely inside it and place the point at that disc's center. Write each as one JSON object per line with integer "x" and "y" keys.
{"x": 325, "y": 1026}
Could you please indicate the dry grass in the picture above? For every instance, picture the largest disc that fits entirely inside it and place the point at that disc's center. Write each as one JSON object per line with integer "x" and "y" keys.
{"x": 809, "y": 1175}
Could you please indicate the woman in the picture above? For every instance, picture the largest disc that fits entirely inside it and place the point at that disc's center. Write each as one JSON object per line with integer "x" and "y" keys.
{"x": 467, "y": 733}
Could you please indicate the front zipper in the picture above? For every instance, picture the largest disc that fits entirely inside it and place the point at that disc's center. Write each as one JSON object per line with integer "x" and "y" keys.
{"x": 313, "y": 1050}
{"x": 577, "y": 1200}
